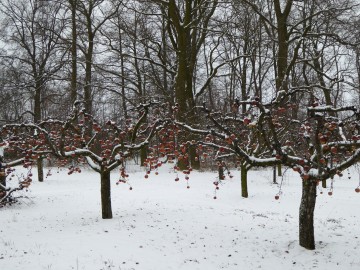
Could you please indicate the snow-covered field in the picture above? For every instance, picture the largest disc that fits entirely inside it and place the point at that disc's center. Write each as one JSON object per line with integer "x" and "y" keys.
{"x": 162, "y": 225}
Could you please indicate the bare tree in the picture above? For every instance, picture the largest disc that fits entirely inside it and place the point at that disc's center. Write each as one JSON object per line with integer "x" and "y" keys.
{"x": 34, "y": 30}
{"x": 92, "y": 15}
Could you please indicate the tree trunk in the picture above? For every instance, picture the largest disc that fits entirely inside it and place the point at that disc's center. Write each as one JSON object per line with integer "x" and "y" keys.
{"x": 323, "y": 183}
{"x": 106, "y": 195}
{"x": 283, "y": 43}
{"x": 279, "y": 172}
{"x": 221, "y": 172}
{"x": 143, "y": 155}
{"x": 88, "y": 80}
{"x": 39, "y": 89}
{"x": 274, "y": 175}
{"x": 319, "y": 69}
{"x": 2, "y": 182}
{"x": 122, "y": 68}
{"x": 88, "y": 95}
{"x": 194, "y": 158}
{"x": 37, "y": 119}
{"x": 244, "y": 188}
{"x": 306, "y": 214}
{"x": 40, "y": 169}
{"x": 183, "y": 92}
{"x": 282, "y": 55}
{"x": 73, "y": 90}
{"x": 183, "y": 163}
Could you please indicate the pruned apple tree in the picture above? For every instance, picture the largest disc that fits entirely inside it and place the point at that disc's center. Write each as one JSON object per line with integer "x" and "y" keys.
{"x": 104, "y": 147}
{"x": 24, "y": 180}
{"x": 320, "y": 144}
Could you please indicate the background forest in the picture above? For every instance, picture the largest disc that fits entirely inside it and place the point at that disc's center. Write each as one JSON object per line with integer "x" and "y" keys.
{"x": 115, "y": 54}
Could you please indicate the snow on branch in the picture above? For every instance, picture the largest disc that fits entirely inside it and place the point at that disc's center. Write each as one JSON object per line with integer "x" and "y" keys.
{"x": 331, "y": 109}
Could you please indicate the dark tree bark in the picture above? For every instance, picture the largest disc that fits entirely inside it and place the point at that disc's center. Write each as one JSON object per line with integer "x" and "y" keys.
{"x": 106, "y": 210}
{"x": 2, "y": 182}
{"x": 88, "y": 100}
{"x": 88, "y": 9}
{"x": 187, "y": 26}
{"x": 73, "y": 90}
{"x": 319, "y": 69}
{"x": 283, "y": 43}
{"x": 194, "y": 158}
{"x": 221, "y": 172}
{"x": 274, "y": 175}
{"x": 122, "y": 68}
{"x": 37, "y": 118}
{"x": 323, "y": 183}
{"x": 306, "y": 214}
{"x": 279, "y": 170}
{"x": 244, "y": 186}
{"x": 143, "y": 155}
{"x": 40, "y": 169}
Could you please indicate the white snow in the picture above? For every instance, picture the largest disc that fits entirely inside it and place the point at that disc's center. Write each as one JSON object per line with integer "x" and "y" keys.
{"x": 3, "y": 146}
{"x": 162, "y": 225}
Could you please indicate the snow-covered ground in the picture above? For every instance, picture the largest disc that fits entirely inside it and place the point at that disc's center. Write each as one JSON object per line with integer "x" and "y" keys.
{"x": 162, "y": 225}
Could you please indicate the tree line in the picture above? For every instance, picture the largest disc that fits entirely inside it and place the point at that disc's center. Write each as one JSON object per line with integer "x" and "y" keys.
{"x": 113, "y": 55}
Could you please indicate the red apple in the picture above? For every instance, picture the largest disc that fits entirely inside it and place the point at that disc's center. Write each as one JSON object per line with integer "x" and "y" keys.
{"x": 246, "y": 121}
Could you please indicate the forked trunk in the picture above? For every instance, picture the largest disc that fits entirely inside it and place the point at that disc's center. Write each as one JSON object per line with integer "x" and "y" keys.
{"x": 106, "y": 195}
{"x": 306, "y": 214}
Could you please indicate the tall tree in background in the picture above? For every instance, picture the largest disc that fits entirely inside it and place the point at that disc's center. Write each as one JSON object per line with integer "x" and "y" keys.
{"x": 74, "y": 60}
{"x": 34, "y": 30}
{"x": 187, "y": 28}
{"x": 92, "y": 16}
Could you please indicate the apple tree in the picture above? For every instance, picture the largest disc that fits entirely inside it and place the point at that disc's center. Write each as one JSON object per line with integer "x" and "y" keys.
{"x": 319, "y": 145}
{"x": 7, "y": 192}
{"x": 105, "y": 147}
